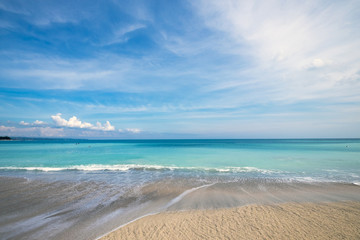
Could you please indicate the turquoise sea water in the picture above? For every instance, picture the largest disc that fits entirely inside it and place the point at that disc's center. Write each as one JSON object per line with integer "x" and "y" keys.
{"x": 306, "y": 159}
{"x": 83, "y": 189}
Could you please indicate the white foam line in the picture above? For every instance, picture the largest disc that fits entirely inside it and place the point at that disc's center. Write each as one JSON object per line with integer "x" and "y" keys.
{"x": 126, "y": 167}
{"x": 172, "y": 202}
{"x": 181, "y": 196}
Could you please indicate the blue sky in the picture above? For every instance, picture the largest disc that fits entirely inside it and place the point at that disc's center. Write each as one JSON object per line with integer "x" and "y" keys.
{"x": 180, "y": 69}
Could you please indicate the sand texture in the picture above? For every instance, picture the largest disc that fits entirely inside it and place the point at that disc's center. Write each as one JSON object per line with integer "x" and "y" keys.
{"x": 336, "y": 220}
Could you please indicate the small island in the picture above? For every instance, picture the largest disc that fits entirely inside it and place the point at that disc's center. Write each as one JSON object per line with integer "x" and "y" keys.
{"x": 5, "y": 138}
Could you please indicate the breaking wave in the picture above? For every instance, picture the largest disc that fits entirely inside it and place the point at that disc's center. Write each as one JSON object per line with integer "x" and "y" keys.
{"x": 139, "y": 167}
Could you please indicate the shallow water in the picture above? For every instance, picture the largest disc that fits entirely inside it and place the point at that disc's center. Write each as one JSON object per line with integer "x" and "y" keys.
{"x": 328, "y": 160}
{"x": 72, "y": 189}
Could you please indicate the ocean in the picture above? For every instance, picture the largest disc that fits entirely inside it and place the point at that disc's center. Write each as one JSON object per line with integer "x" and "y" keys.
{"x": 62, "y": 189}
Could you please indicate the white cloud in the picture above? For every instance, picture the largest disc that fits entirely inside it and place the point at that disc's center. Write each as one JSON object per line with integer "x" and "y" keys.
{"x": 24, "y": 123}
{"x": 51, "y": 132}
{"x": 73, "y": 127}
{"x": 38, "y": 122}
{"x": 74, "y": 122}
{"x": 281, "y": 40}
{"x": 71, "y": 78}
{"x": 130, "y": 130}
{"x": 318, "y": 63}
{"x": 104, "y": 131}
{"x": 32, "y": 131}
{"x": 119, "y": 35}
{"x": 6, "y": 129}
{"x": 133, "y": 130}
{"x": 59, "y": 121}
{"x": 106, "y": 127}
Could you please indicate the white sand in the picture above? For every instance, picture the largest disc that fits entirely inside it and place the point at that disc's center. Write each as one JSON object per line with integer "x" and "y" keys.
{"x": 337, "y": 220}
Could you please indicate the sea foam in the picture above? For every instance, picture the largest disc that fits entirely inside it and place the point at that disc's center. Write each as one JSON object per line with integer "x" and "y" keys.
{"x": 127, "y": 167}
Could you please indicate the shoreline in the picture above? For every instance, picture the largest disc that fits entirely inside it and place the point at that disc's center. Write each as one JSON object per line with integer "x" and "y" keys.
{"x": 81, "y": 208}
{"x": 204, "y": 200}
{"x": 307, "y": 220}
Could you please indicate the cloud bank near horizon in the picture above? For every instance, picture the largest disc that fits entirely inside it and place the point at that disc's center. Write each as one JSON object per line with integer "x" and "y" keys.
{"x": 61, "y": 127}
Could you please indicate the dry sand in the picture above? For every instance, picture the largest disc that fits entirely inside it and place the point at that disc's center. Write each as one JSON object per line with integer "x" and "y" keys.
{"x": 336, "y": 220}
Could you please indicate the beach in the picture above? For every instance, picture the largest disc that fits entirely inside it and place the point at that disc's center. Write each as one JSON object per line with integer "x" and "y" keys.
{"x": 178, "y": 208}
{"x": 190, "y": 189}
{"x": 148, "y": 120}
{"x": 335, "y": 220}
{"x": 254, "y": 210}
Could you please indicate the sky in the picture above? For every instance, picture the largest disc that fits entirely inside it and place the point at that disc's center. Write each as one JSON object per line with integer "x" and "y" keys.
{"x": 180, "y": 69}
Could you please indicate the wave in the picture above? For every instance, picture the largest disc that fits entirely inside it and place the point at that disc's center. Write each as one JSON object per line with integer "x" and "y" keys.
{"x": 129, "y": 167}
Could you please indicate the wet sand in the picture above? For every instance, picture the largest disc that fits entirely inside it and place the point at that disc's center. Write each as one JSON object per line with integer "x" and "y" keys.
{"x": 334, "y": 220}
{"x": 59, "y": 209}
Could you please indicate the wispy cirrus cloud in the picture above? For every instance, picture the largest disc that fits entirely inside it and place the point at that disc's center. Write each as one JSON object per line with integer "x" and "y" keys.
{"x": 121, "y": 34}
{"x": 296, "y": 48}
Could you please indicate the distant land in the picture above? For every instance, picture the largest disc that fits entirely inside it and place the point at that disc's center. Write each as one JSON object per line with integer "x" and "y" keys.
{"x": 5, "y": 138}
